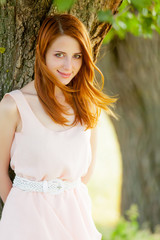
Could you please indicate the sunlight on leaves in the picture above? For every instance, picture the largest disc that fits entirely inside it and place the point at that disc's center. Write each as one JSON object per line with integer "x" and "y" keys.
{"x": 129, "y": 229}
{"x": 63, "y": 5}
{"x": 140, "y": 4}
{"x": 109, "y": 36}
{"x": 139, "y": 18}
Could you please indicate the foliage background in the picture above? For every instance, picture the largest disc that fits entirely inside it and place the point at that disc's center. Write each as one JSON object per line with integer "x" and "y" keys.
{"x": 141, "y": 19}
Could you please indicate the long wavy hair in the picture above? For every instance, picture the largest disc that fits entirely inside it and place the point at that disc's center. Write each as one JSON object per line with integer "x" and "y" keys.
{"x": 83, "y": 93}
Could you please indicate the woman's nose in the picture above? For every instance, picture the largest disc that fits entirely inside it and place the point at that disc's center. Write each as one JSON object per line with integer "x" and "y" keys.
{"x": 67, "y": 64}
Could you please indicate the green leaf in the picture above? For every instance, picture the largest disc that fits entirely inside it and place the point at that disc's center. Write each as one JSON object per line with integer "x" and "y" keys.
{"x": 145, "y": 12}
{"x": 105, "y": 16}
{"x": 122, "y": 24}
{"x": 109, "y": 36}
{"x": 123, "y": 5}
{"x": 133, "y": 213}
{"x": 158, "y": 20}
{"x": 140, "y": 4}
{"x": 63, "y": 5}
{"x": 2, "y": 49}
{"x": 146, "y": 23}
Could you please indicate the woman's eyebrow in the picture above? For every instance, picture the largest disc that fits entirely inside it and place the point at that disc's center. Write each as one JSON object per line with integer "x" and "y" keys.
{"x": 65, "y": 52}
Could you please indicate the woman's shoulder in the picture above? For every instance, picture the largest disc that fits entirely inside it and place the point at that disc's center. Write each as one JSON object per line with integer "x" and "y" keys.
{"x": 29, "y": 89}
{"x": 8, "y": 109}
{"x": 7, "y": 104}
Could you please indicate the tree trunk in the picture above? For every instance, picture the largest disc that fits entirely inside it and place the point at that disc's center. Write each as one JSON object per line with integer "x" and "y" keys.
{"x": 132, "y": 71}
{"x": 19, "y": 25}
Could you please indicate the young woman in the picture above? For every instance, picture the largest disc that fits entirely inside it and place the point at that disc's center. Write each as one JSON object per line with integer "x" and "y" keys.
{"x": 48, "y": 136}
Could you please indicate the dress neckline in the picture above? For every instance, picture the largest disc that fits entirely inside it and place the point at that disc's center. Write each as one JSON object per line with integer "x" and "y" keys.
{"x": 38, "y": 121}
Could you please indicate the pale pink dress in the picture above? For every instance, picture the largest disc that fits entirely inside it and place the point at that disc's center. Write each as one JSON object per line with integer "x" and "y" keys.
{"x": 38, "y": 153}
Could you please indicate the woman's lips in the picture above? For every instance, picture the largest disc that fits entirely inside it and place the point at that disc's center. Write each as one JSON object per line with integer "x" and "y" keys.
{"x": 65, "y": 75}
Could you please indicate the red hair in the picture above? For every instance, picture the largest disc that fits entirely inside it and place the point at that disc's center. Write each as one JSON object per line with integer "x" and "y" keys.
{"x": 83, "y": 93}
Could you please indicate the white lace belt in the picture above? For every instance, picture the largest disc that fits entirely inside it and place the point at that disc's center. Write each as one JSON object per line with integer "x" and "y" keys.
{"x": 55, "y": 186}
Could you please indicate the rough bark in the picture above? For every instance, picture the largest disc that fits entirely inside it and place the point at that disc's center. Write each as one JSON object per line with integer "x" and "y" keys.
{"x": 19, "y": 24}
{"x": 132, "y": 71}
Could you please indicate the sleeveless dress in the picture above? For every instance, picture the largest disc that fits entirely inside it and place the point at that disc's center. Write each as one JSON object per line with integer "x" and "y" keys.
{"x": 38, "y": 153}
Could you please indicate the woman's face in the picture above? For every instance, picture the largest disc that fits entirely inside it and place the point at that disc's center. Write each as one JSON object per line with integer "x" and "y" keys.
{"x": 64, "y": 58}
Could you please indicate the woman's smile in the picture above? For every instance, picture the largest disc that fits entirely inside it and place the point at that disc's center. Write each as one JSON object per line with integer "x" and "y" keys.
{"x": 65, "y": 75}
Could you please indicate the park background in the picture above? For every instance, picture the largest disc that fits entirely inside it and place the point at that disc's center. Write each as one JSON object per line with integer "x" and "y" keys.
{"x": 125, "y": 186}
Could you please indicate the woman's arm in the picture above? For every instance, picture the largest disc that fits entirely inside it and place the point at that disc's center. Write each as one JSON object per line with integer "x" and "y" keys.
{"x": 8, "y": 123}
{"x": 94, "y": 135}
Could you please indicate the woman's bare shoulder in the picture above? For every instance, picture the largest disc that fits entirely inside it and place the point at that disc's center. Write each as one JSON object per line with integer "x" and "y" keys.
{"x": 8, "y": 112}
{"x": 8, "y": 107}
{"x": 8, "y": 104}
{"x": 29, "y": 89}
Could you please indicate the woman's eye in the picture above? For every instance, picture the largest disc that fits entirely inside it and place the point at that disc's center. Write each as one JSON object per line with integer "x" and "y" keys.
{"x": 77, "y": 56}
{"x": 59, "y": 54}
